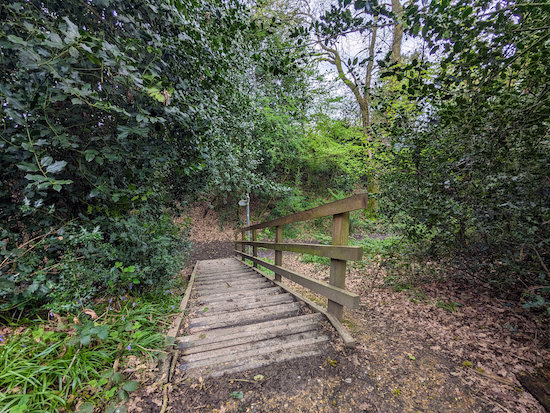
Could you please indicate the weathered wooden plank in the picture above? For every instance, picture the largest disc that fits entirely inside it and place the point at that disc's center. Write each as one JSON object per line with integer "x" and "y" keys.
{"x": 229, "y": 282}
{"x": 340, "y": 235}
{"x": 255, "y": 249}
{"x": 165, "y": 362}
{"x": 226, "y": 353}
{"x": 226, "y": 296}
{"x": 250, "y": 338}
{"x": 243, "y": 317}
{"x": 227, "y": 344}
{"x": 227, "y": 267}
{"x": 349, "y": 341}
{"x": 205, "y": 284}
{"x": 213, "y": 279}
{"x": 243, "y": 237}
{"x": 224, "y": 276}
{"x": 338, "y": 295}
{"x": 229, "y": 287}
{"x": 218, "y": 263}
{"x": 219, "y": 336}
{"x": 224, "y": 271}
{"x": 221, "y": 269}
{"x": 278, "y": 254}
{"x": 256, "y": 362}
{"x": 249, "y": 351}
{"x": 331, "y": 251}
{"x": 242, "y": 304}
{"x": 352, "y": 203}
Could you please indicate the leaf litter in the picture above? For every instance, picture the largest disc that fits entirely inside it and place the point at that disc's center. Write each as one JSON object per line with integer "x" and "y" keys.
{"x": 411, "y": 356}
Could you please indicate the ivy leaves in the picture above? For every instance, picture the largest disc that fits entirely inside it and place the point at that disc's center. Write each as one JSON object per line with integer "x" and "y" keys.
{"x": 110, "y": 107}
{"x": 471, "y": 145}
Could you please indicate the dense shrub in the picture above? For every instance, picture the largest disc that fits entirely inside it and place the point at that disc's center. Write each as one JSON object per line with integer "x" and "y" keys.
{"x": 469, "y": 160}
{"x": 104, "y": 256}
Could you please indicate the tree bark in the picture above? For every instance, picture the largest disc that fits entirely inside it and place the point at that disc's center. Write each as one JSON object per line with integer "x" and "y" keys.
{"x": 397, "y": 9}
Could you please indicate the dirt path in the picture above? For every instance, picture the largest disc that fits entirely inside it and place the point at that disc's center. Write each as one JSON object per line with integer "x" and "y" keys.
{"x": 416, "y": 352}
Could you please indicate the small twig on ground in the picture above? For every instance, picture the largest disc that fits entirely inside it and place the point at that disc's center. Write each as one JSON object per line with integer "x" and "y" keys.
{"x": 164, "y": 399}
{"x": 175, "y": 355}
{"x": 497, "y": 378}
{"x": 495, "y": 402}
{"x": 74, "y": 358}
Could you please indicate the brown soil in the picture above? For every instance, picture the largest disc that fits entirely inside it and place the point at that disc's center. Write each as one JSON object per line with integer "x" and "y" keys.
{"x": 416, "y": 351}
{"x": 209, "y": 239}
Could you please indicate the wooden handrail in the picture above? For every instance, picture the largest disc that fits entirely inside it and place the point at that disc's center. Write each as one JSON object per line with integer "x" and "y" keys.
{"x": 339, "y": 252}
{"x": 338, "y": 295}
{"x": 353, "y": 203}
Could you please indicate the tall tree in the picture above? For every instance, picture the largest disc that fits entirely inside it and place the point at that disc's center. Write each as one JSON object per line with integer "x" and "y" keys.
{"x": 367, "y": 25}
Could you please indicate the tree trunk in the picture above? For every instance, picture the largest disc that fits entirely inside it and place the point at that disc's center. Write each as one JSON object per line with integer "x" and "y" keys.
{"x": 397, "y": 9}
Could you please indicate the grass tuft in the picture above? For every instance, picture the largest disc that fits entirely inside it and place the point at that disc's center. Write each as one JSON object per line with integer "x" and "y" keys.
{"x": 60, "y": 362}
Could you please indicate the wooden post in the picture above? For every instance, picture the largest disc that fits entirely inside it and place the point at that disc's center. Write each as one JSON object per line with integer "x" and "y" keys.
{"x": 243, "y": 247}
{"x": 278, "y": 254}
{"x": 236, "y": 239}
{"x": 340, "y": 235}
{"x": 255, "y": 248}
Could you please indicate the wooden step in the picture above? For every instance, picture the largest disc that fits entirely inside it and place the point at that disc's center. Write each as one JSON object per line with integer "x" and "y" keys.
{"x": 252, "y": 355}
{"x": 231, "y": 281}
{"x": 229, "y": 287}
{"x": 198, "y": 359}
{"x": 247, "y": 303}
{"x": 218, "y": 274}
{"x": 226, "y": 273}
{"x": 235, "y": 295}
{"x": 243, "y": 317}
{"x": 227, "y": 337}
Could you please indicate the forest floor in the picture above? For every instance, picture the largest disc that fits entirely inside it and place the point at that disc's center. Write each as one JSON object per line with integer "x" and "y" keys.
{"x": 444, "y": 346}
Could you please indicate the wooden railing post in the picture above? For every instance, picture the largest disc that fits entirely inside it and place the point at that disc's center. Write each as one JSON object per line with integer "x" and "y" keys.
{"x": 243, "y": 247}
{"x": 278, "y": 254}
{"x": 340, "y": 234}
{"x": 255, "y": 248}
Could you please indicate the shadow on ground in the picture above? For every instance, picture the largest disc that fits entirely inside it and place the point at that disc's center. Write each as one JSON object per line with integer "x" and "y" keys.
{"x": 211, "y": 250}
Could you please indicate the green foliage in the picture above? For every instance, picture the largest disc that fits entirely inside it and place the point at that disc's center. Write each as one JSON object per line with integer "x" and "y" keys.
{"x": 48, "y": 367}
{"x": 450, "y": 306}
{"x": 322, "y": 261}
{"x": 382, "y": 246}
{"x": 111, "y": 108}
{"x": 138, "y": 252}
{"x": 237, "y": 395}
{"x": 334, "y": 155}
{"x": 469, "y": 163}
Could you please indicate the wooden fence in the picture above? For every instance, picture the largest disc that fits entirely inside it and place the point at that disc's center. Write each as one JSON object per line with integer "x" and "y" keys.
{"x": 339, "y": 252}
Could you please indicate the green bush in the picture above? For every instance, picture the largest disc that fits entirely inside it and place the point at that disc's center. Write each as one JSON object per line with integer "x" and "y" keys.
{"x": 91, "y": 257}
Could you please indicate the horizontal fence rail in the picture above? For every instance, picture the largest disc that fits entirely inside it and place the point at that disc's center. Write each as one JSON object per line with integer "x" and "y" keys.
{"x": 335, "y": 294}
{"x": 339, "y": 252}
{"x": 330, "y": 251}
{"x": 353, "y": 203}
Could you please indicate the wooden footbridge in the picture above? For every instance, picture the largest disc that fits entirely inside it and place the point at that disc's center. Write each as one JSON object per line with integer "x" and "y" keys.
{"x": 238, "y": 318}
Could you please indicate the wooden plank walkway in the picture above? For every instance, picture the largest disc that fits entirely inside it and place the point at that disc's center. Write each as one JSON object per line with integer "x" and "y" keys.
{"x": 239, "y": 320}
